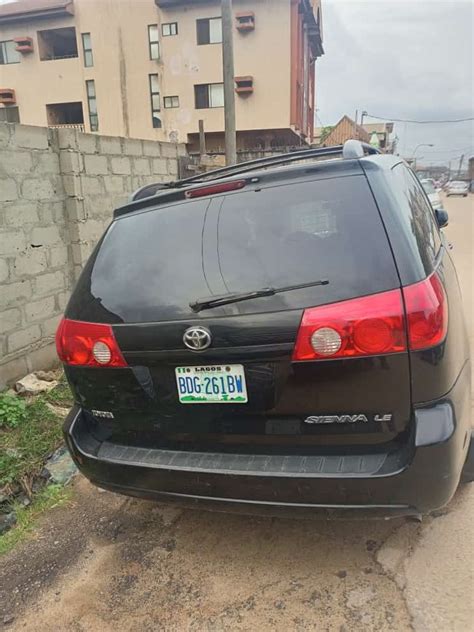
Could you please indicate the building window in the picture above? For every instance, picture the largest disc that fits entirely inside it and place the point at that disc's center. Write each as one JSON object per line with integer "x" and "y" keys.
{"x": 171, "y": 28}
{"x": 10, "y": 114}
{"x": 155, "y": 100}
{"x": 209, "y": 31}
{"x": 153, "y": 41}
{"x": 92, "y": 104}
{"x": 171, "y": 102}
{"x": 8, "y": 53}
{"x": 87, "y": 47}
{"x": 57, "y": 44}
{"x": 209, "y": 95}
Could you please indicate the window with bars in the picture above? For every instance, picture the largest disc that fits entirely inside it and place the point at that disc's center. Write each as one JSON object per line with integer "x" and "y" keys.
{"x": 8, "y": 53}
{"x": 153, "y": 41}
{"x": 87, "y": 49}
{"x": 92, "y": 105}
{"x": 171, "y": 28}
{"x": 209, "y": 31}
{"x": 155, "y": 100}
{"x": 209, "y": 95}
{"x": 171, "y": 102}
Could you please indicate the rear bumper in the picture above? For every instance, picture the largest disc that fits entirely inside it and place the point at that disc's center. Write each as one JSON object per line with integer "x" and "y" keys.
{"x": 418, "y": 478}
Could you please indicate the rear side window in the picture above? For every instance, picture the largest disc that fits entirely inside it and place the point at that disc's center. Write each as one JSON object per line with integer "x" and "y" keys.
{"x": 417, "y": 215}
{"x": 302, "y": 232}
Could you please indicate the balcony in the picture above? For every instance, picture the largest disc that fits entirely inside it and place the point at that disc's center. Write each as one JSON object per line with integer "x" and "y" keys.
{"x": 57, "y": 44}
{"x": 65, "y": 115}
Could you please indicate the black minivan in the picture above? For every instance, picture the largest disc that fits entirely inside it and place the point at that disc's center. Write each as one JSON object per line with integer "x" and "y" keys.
{"x": 282, "y": 333}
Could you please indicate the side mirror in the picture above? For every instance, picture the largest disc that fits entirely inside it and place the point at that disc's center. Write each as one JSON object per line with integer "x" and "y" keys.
{"x": 442, "y": 217}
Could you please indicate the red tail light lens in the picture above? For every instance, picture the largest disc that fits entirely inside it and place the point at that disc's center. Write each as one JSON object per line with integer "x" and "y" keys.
{"x": 88, "y": 344}
{"x": 427, "y": 313}
{"x": 370, "y": 325}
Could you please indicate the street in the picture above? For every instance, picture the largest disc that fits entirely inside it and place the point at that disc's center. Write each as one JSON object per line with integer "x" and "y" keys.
{"x": 111, "y": 563}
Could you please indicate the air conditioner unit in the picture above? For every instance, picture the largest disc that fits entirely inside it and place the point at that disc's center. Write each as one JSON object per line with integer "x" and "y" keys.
{"x": 7, "y": 96}
{"x": 245, "y": 21}
{"x": 24, "y": 44}
{"x": 244, "y": 85}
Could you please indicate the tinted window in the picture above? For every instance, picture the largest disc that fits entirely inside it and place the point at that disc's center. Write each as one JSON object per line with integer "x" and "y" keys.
{"x": 417, "y": 215}
{"x": 151, "y": 265}
{"x": 298, "y": 233}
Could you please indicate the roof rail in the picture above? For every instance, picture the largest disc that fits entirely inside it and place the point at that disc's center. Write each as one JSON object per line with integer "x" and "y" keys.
{"x": 355, "y": 149}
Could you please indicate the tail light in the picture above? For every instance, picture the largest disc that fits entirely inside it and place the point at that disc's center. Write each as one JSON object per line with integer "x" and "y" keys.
{"x": 88, "y": 344}
{"x": 370, "y": 325}
{"x": 427, "y": 313}
{"x": 375, "y": 325}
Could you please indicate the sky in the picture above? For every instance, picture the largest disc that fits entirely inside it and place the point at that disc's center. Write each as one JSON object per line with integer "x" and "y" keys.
{"x": 405, "y": 59}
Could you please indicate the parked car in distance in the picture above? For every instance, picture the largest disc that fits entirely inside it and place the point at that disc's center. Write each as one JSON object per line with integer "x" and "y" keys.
{"x": 274, "y": 336}
{"x": 433, "y": 195}
{"x": 457, "y": 187}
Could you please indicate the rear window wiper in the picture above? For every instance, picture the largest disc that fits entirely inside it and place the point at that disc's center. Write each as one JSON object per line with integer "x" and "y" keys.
{"x": 227, "y": 299}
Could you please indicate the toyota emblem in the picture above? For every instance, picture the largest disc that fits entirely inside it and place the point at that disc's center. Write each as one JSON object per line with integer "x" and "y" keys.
{"x": 197, "y": 338}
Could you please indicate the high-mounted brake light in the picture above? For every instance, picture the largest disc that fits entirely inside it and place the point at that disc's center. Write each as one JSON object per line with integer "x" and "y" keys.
{"x": 212, "y": 189}
{"x": 88, "y": 344}
{"x": 427, "y": 313}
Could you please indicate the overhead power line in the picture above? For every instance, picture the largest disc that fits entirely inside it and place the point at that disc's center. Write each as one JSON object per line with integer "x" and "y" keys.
{"x": 397, "y": 120}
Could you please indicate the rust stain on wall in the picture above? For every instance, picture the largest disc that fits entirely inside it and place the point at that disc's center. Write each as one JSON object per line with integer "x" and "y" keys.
{"x": 123, "y": 85}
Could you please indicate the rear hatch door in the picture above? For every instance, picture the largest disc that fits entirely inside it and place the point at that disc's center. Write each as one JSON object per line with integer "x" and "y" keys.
{"x": 153, "y": 264}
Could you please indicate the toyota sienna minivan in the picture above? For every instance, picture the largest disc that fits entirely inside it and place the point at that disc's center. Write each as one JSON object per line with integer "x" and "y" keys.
{"x": 280, "y": 334}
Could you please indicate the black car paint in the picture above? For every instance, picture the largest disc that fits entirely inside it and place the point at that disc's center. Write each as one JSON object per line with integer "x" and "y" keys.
{"x": 282, "y": 393}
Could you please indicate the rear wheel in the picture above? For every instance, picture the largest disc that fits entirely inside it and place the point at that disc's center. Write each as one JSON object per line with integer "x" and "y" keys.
{"x": 467, "y": 475}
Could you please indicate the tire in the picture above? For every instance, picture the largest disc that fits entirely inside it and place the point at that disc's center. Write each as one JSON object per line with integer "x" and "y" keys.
{"x": 467, "y": 474}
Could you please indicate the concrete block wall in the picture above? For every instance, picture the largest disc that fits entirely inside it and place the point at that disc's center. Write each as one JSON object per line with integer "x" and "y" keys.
{"x": 58, "y": 189}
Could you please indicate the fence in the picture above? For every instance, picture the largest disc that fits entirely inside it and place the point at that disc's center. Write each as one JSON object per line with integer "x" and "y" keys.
{"x": 58, "y": 188}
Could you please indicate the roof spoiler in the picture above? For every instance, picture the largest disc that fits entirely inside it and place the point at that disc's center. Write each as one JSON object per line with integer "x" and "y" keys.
{"x": 352, "y": 149}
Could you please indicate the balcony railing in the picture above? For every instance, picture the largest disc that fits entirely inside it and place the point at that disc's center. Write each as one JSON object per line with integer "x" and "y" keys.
{"x": 79, "y": 126}
{"x": 55, "y": 57}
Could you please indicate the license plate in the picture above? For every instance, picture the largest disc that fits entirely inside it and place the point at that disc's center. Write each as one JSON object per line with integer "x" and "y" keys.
{"x": 216, "y": 384}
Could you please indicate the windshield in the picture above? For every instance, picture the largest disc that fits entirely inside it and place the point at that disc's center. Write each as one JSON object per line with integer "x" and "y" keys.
{"x": 428, "y": 187}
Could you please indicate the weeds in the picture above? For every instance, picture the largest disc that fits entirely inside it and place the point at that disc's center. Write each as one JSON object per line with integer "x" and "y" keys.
{"x": 48, "y": 498}
{"x": 12, "y": 411}
{"x": 23, "y": 449}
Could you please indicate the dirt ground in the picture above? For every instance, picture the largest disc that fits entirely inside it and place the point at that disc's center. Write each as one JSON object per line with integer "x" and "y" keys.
{"x": 111, "y": 563}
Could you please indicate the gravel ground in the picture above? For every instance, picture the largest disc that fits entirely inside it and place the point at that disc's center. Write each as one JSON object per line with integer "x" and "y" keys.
{"x": 111, "y": 563}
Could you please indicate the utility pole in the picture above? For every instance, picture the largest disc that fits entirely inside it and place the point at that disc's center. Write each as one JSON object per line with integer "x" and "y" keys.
{"x": 461, "y": 160}
{"x": 228, "y": 75}
{"x": 202, "y": 138}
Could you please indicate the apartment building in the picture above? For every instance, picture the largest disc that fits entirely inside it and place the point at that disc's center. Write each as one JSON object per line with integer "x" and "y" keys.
{"x": 153, "y": 68}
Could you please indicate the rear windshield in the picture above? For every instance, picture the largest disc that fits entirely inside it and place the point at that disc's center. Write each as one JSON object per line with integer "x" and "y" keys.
{"x": 153, "y": 264}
